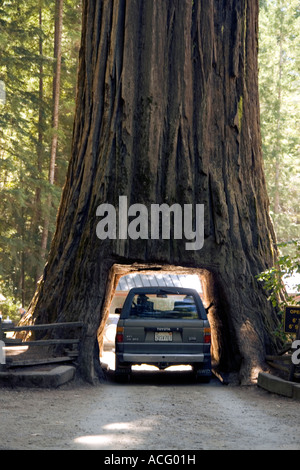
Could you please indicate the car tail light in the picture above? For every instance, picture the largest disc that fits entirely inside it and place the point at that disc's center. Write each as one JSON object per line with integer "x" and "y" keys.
{"x": 120, "y": 334}
{"x": 207, "y": 335}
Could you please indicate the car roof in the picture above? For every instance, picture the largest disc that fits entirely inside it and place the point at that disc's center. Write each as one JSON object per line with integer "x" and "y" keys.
{"x": 154, "y": 290}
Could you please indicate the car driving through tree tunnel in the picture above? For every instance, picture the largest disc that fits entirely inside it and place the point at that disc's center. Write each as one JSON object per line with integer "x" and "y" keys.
{"x": 163, "y": 326}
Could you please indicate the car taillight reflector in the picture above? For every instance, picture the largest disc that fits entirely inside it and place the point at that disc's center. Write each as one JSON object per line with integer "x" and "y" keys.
{"x": 119, "y": 335}
{"x": 207, "y": 335}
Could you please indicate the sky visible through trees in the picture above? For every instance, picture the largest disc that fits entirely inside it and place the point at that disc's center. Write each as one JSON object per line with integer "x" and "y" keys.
{"x": 30, "y": 193}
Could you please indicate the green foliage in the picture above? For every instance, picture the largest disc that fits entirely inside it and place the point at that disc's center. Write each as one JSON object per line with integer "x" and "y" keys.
{"x": 279, "y": 80}
{"x": 10, "y": 309}
{"x": 273, "y": 279}
{"x": 26, "y": 68}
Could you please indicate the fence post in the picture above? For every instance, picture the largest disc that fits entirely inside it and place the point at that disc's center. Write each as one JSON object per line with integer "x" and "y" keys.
{"x": 2, "y": 350}
{"x": 2, "y": 355}
{"x": 1, "y": 331}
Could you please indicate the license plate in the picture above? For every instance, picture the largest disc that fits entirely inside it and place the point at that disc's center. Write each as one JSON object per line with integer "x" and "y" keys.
{"x": 165, "y": 336}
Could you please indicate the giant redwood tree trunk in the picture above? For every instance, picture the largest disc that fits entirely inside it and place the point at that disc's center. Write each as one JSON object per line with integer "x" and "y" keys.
{"x": 167, "y": 112}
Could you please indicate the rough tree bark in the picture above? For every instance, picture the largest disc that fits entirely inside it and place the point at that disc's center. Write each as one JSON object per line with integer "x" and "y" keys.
{"x": 167, "y": 111}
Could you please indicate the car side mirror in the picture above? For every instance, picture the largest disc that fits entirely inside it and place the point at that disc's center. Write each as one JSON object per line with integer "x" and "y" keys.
{"x": 118, "y": 310}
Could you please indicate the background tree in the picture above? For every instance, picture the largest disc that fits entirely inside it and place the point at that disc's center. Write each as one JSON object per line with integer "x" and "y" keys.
{"x": 26, "y": 68}
{"x": 280, "y": 116}
{"x": 55, "y": 115}
{"x": 167, "y": 111}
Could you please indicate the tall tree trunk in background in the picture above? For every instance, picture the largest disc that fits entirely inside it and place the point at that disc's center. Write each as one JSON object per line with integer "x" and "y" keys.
{"x": 278, "y": 148}
{"x": 55, "y": 117}
{"x": 167, "y": 111}
{"x": 37, "y": 219}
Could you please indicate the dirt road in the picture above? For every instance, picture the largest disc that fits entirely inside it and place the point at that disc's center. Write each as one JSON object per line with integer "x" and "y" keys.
{"x": 154, "y": 411}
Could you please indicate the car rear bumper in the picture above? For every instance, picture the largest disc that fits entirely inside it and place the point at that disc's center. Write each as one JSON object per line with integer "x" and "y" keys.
{"x": 161, "y": 358}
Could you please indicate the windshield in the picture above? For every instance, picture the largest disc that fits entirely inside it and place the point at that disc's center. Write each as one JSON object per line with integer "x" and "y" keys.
{"x": 163, "y": 306}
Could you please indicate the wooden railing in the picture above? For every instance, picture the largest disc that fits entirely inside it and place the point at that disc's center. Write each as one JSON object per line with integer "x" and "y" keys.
{"x": 12, "y": 342}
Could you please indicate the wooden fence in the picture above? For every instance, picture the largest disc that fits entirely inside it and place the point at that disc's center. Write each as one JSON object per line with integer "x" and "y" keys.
{"x": 13, "y": 342}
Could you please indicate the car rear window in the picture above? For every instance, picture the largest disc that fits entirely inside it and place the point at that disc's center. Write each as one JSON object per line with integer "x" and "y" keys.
{"x": 164, "y": 306}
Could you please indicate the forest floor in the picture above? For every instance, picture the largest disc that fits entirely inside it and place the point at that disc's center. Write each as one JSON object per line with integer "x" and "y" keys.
{"x": 154, "y": 411}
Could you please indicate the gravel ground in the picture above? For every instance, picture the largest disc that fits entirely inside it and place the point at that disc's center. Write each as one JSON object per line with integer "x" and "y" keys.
{"x": 155, "y": 411}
